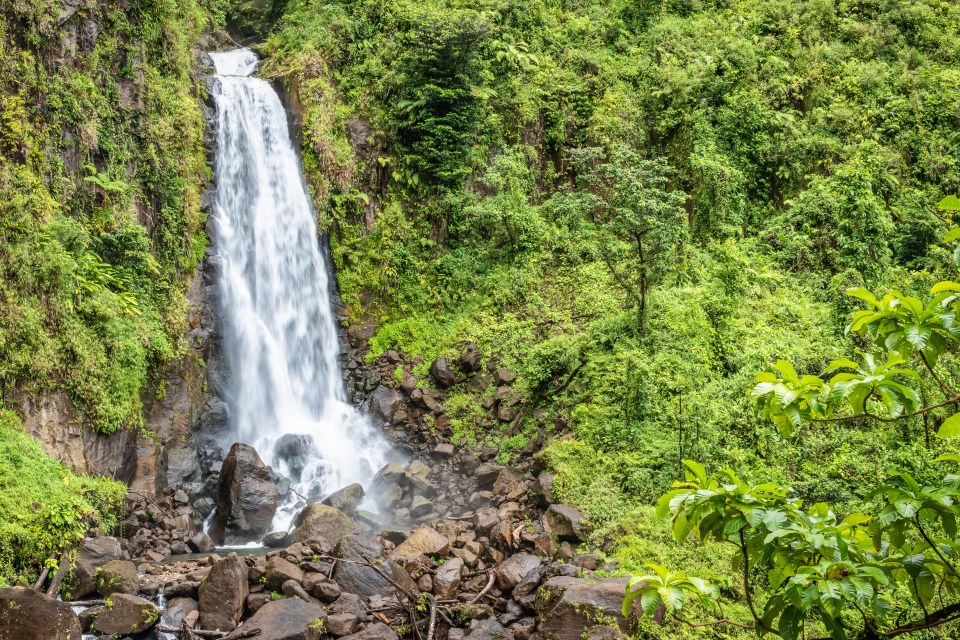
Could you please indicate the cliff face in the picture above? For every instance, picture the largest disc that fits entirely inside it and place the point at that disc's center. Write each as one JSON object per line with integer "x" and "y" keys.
{"x": 104, "y": 321}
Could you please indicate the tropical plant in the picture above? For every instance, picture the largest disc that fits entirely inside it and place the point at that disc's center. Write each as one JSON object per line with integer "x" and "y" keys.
{"x": 879, "y": 575}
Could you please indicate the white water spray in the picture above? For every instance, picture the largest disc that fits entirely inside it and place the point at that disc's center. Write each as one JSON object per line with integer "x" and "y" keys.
{"x": 279, "y": 334}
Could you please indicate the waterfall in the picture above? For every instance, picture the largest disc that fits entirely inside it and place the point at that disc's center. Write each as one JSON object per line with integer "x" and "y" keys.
{"x": 286, "y": 395}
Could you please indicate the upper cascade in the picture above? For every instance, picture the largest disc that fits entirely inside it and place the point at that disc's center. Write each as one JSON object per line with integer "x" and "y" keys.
{"x": 285, "y": 395}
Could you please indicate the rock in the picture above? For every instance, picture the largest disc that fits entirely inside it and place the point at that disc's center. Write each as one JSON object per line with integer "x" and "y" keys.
{"x": 342, "y": 624}
{"x": 487, "y": 473}
{"x": 603, "y": 632}
{"x": 153, "y": 556}
{"x": 356, "y": 577}
{"x": 257, "y": 600}
{"x": 346, "y": 499}
{"x": 124, "y": 615}
{"x": 566, "y": 522}
{"x": 420, "y": 507}
{"x": 293, "y": 589}
{"x": 350, "y": 603}
{"x": 469, "y": 361}
{"x": 545, "y": 488}
{"x": 443, "y": 450}
{"x": 326, "y": 591}
{"x": 288, "y": 619}
{"x": 488, "y": 629}
{"x": 321, "y": 521}
{"x": 223, "y": 593}
{"x": 442, "y": 373}
{"x": 177, "y": 609}
{"x": 246, "y": 496}
{"x": 446, "y": 582}
{"x": 95, "y": 553}
{"x": 279, "y": 571}
{"x": 568, "y": 606}
{"x": 31, "y": 615}
{"x": 296, "y": 449}
{"x": 425, "y": 541}
{"x": 505, "y": 376}
{"x": 378, "y": 631}
{"x": 276, "y": 540}
{"x": 515, "y": 569}
{"x": 117, "y": 576}
{"x": 382, "y": 404}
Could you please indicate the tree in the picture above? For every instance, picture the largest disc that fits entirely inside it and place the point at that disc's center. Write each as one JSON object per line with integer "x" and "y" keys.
{"x": 884, "y": 575}
{"x": 639, "y": 221}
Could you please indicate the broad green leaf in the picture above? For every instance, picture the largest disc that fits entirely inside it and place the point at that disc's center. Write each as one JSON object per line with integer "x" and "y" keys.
{"x": 950, "y": 427}
{"x": 791, "y": 623}
{"x": 948, "y": 457}
{"x": 946, "y": 285}
{"x": 914, "y": 564}
{"x": 863, "y": 294}
{"x": 842, "y": 363}
{"x": 950, "y": 203}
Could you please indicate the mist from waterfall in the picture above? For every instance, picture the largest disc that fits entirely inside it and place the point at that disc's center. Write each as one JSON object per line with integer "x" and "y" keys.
{"x": 278, "y": 327}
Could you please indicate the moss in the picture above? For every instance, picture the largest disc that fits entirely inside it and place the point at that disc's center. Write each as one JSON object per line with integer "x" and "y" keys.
{"x": 44, "y": 508}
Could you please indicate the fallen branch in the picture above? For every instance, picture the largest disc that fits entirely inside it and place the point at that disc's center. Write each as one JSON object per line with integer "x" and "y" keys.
{"x": 483, "y": 592}
{"x": 85, "y": 603}
{"x": 60, "y": 575}
{"x": 433, "y": 617}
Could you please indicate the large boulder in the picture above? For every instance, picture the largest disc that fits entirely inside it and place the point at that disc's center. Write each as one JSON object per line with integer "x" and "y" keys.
{"x": 26, "y": 614}
{"x": 247, "y": 497}
{"x": 288, "y": 619}
{"x": 223, "y": 593}
{"x": 425, "y": 541}
{"x": 178, "y": 609}
{"x": 441, "y": 372}
{"x": 382, "y": 404}
{"x": 567, "y": 606}
{"x": 94, "y": 553}
{"x": 345, "y": 499}
{"x": 566, "y": 522}
{"x": 321, "y": 521}
{"x": 117, "y": 576}
{"x": 356, "y": 576}
{"x": 125, "y": 615}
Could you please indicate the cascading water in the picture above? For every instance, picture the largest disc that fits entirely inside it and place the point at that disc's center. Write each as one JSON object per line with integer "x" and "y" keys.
{"x": 279, "y": 336}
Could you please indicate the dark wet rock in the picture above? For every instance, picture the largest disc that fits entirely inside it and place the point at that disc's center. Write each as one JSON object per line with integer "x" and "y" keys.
{"x": 469, "y": 361}
{"x": 382, "y": 404}
{"x": 124, "y": 614}
{"x": 442, "y": 373}
{"x": 487, "y": 473}
{"x": 321, "y": 521}
{"x": 565, "y": 522}
{"x": 117, "y": 576}
{"x": 296, "y": 449}
{"x": 504, "y": 376}
{"x": 26, "y": 614}
{"x": 223, "y": 593}
{"x": 346, "y": 499}
{"x": 94, "y": 553}
{"x": 287, "y": 619}
{"x": 246, "y": 497}
{"x": 568, "y": 606}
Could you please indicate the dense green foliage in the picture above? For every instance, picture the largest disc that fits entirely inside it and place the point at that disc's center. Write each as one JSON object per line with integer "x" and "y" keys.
{"x": 44, "y": 508}
{"x": 805, "y": 143}
{"x": 101, "y": 167}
